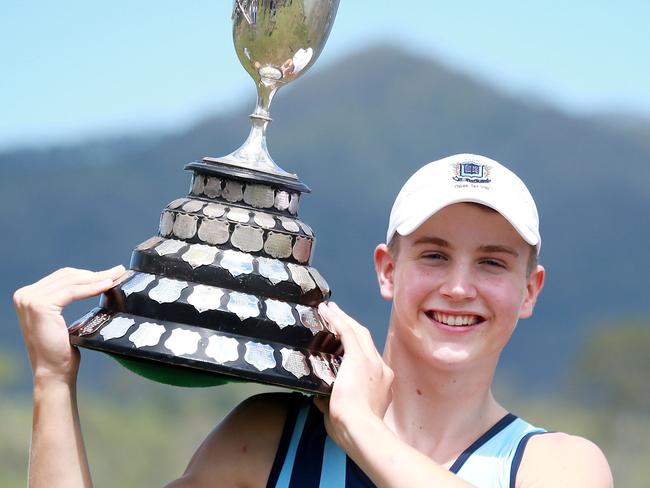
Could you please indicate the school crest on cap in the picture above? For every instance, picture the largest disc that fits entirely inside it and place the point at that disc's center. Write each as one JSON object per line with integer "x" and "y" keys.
{"x": 472, "y": 172}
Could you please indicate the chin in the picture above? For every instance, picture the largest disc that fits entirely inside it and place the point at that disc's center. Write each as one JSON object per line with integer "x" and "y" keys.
{"x": 450, "y": 357}
{"x": 444, "y": 356}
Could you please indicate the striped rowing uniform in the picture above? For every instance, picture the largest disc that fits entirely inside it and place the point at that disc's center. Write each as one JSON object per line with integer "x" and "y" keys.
{"x": 308, "y": 458}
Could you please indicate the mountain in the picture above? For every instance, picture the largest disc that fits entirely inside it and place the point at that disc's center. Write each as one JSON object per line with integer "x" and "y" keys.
{"x": 633, "y": 125}
{"x": 354, "y": 131}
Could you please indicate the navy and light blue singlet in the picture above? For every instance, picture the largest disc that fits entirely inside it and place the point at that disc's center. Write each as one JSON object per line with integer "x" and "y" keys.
{"x": 308, "y": 458}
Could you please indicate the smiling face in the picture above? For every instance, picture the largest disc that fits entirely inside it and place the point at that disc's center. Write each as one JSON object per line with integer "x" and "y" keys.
{"x": 458, "y": 284}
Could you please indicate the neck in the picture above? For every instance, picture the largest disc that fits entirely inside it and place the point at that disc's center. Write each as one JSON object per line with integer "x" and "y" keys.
{"x": 436, "y": 409}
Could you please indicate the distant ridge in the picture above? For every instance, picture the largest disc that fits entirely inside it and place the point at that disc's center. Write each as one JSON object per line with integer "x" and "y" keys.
{"x": 353, "y": 131}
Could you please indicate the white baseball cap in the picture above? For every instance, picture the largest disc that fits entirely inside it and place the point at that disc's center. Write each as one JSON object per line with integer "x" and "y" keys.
{"x": 464, "y": 178}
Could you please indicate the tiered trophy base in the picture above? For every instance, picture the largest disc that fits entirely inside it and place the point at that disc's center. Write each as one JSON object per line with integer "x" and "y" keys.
{"x": 225, "y": 291}
{"x": 208, "y": 359}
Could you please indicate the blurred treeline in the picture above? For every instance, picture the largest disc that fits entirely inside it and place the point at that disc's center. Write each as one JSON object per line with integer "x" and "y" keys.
{"x": 142, "y": 434}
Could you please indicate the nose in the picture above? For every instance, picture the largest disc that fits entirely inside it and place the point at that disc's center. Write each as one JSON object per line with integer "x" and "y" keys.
{"x": 458, "y": 284}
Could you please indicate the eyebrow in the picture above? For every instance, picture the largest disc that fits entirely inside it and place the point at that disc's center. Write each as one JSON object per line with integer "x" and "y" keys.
{"x": 498, "y": 248}
{"x": 490, "y": 248}
{"x": 432, "y": 240}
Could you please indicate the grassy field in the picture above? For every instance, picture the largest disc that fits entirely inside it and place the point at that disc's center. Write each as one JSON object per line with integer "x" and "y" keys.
{"x": 145, "y": 435}
{"x": 141, "y": 439}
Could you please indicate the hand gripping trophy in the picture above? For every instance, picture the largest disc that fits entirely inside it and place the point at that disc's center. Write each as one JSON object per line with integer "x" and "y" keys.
{"x": 225, "y": 291}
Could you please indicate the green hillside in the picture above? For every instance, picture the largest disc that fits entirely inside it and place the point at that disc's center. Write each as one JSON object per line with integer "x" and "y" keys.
{"x": 354, "y": 131}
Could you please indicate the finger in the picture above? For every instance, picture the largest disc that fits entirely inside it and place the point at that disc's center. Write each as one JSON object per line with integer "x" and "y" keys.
{"x": 70, "y": 271}
{"x": 345, "y": 332}
{"x": 63, "y": 286}
{"x": 349, "y": 328}
{"x": 362, "y": 333}
{"x": 330, "y": 341}
{"x": 366, "y": 345}
{"x": 81, "y": 277}
{"x": 55, "y": 276}
{"x": 64, "y": 296}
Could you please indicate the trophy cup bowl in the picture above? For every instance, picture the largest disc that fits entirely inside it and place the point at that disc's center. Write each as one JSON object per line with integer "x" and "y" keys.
{"x": 276, "y": 42}
{"x": 225, "y": 291}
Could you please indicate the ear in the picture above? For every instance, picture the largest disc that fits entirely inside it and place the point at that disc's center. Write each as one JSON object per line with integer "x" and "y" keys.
{"x": 533, "y": 288}
{"x": 385, "y": 268}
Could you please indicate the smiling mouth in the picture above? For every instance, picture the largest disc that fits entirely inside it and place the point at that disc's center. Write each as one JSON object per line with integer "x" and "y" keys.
{"x": 454, "y": 320}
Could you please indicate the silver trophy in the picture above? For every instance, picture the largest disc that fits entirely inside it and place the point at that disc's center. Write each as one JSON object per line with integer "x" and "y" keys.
{"x": 226, "y": 291}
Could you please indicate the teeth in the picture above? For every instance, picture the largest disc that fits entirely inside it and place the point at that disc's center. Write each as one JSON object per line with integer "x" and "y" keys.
{"x": 455, "y": 320}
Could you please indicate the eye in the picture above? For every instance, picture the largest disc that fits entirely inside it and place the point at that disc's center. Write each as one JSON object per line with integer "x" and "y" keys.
{"x": 493, "y": 263}
{"x": 434, "y": 256}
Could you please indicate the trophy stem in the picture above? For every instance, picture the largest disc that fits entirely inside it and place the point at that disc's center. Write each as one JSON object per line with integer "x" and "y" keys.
{"x": 253, "y": 153}
{"x": 266, "y": 90}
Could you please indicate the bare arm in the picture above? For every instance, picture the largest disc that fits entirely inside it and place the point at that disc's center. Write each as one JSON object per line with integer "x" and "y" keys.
{"x": 57, "y": 453}
{"x": 550, "y": 461}
{"x": 239, "y": 452}
{"x": 563, "y": 460}
{"x": 390, "y": 462}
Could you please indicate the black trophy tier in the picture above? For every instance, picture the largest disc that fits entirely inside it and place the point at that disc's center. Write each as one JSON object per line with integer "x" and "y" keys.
{"x": 224, "y": 292}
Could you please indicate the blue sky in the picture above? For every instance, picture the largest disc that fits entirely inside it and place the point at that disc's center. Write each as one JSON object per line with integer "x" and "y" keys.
{"x": 77, "y": 69}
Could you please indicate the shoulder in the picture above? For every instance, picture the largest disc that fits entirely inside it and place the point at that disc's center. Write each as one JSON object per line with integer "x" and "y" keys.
{"x": 558, "y": 459}
{"x": 240, "y": 450}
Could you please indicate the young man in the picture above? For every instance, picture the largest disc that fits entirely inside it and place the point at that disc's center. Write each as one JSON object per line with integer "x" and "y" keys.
{"x": 460, "y": 266}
